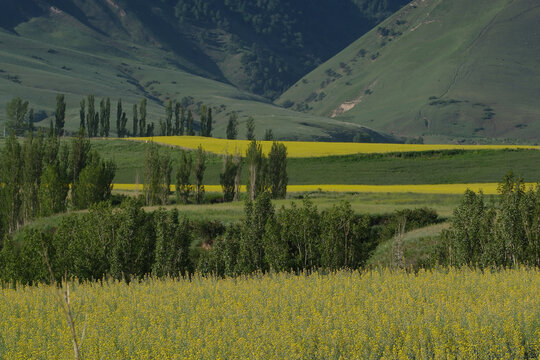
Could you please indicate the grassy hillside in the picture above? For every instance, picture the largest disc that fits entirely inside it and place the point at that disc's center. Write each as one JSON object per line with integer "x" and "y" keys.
{"x": 444, "y": 70}
{"x": 37, "y": 71}
{"x": 100, "y": 47}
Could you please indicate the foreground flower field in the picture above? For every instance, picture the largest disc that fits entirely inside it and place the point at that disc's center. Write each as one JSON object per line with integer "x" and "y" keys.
{"x": 377, "y": 314}
{"x": 303, "y": 149}
{"x": 450, "y": 189}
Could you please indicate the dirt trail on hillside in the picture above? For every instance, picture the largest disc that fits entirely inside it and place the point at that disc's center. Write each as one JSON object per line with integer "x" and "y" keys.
{"x": 349, "y": 105}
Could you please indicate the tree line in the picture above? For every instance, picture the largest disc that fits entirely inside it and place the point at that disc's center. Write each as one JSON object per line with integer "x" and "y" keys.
{"x": 265, "y": 174}
{"x": 179, "y": 119}
{"x": 129, "y": 243}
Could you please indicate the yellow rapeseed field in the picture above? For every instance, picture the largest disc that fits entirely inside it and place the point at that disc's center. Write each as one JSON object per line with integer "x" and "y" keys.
{"x": 487, "y": 188}
{"x": 303, "y": 149}
{"x": 379, "y": 314}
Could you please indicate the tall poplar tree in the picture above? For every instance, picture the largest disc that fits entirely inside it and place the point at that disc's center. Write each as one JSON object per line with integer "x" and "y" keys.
{"x": 177, "y": 111}
{"x": 90, "y": 116}
{"x": 168, "y": 118}
{"x": 277, "y": 170}
{"x": 182, "y": 121}
{"x": 60, "y": 114}
{"x": 142, "y": 119}
{"x": 209, "y": 123}
{"x": 135, "y": 120}
{"x": 250, "y": 128}
{"x": 200, "y": 167}
{"x": 232, "y": 126}
{"x": 107, "y": 117}
{"x": 119, "y": 112}
{"x": 82, "y": 114}
{"x": 189, "y": 126}
{"x": 102, "y": 117}
{"x": 183, "y": 175}
{"x": 203, "y": 130}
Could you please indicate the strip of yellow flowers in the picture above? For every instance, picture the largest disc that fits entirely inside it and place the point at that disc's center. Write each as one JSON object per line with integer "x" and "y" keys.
{"x": 303, "y": 149}
{"x": 381, "y": 314}
{"x": 487, "y": 188}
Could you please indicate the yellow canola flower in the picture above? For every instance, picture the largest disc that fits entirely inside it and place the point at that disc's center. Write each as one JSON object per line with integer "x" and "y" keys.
{"x": 375, "y": 314}
{"x": 450, "y": 189}
{"x": 305, "y": 149}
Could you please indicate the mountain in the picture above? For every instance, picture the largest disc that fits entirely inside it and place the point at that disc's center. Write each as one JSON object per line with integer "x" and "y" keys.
{"x": 447, "y": 70}
{"x": 227, "y": 54}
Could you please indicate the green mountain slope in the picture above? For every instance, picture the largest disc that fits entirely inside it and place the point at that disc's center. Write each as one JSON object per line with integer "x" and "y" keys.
{"x": 446, "y": 70}
{"x": 263, "y": 46}
{"x": 82, "y": 47}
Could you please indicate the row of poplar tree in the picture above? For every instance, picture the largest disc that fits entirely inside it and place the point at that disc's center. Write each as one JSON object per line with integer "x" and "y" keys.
{"x": 179, "y": 119}
{"x": 265, "y": 174}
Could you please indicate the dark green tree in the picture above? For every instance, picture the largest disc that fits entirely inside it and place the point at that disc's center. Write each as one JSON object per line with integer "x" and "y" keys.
{"x": 209, "y": 121}
{"x": 165, "y": 169}
{"x": 227, "y": 177}
{"x": 94, "y": 183}
{"x": 131, "y": 254}
{"x": 142, "y": 120}
{"x": 156, "y": 176}
{"x": 32, "y": 153}
{"x": 251, "y": 255}
{"x": 11, "y": 179}
{"x": 277, "y": 170}
{"x": 257, "y": 166}
{"x": 135, "y": 120}
{"x": 53, "y": 190}
{"x": 337, "y": 246}
{"x": 182, "y": 121}
{"x": 82, "y": 114}
{"x": 102, "y": 117}
{"x": 250, "y": 128}
{"x": 203, "y": 130}
{"x": 78, "y": 156}
{"x": 268, "y": 135}
{"x": 107, "y": 121}
{"x": 16, "y": 111}
{"x": 177, "y": 113}
{"x": 168, "y": 118}
{"x": 60, "y": 114}
{"x": 200, "y": 168}
{"x": 190, "y": 131}
{"x": 173, "y": 240}
{"x": 183, "y": 175}
{"x": 31, "y": 121}
{"x": 120, "y": 130}
{"x": 90, "y": 116}
{"x": 232, "y": 126}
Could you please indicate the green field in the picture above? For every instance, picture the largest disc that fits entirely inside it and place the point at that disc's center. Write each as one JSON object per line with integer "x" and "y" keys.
{"x": 444, "y": 167}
